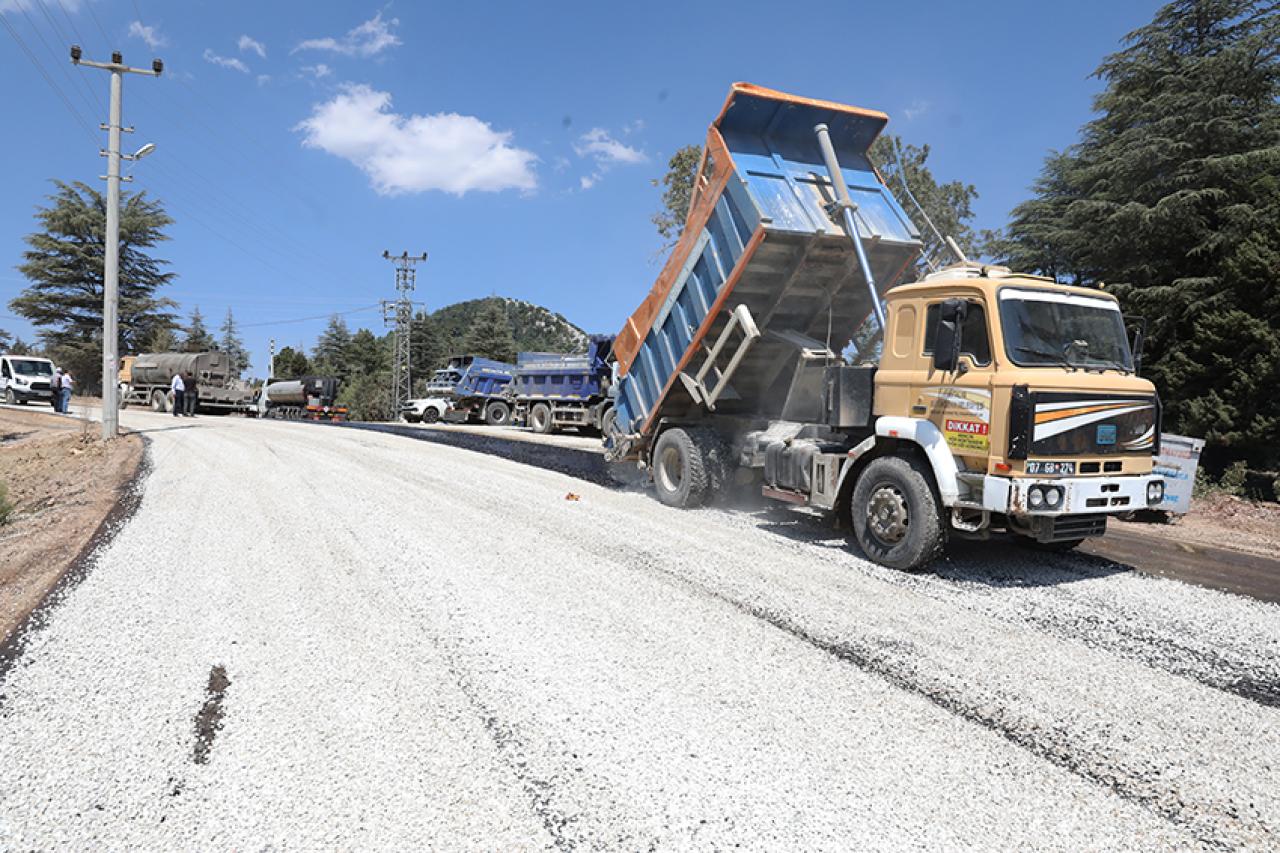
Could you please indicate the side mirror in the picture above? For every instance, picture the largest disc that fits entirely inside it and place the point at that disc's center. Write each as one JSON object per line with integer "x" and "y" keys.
{"x": 946, "y": 345}
{"x": 1139, "y": 325}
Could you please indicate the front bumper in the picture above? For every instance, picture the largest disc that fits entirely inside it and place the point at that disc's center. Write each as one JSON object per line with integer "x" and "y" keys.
{"x": 1081, "y": 495}
{"x": 29, "y": 394}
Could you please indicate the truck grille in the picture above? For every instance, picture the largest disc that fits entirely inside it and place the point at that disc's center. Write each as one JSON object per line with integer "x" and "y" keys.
{"x": 1078, "y": 527}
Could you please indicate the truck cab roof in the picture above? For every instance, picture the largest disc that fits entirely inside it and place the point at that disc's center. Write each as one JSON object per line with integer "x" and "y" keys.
{"x": 988, "y": 278}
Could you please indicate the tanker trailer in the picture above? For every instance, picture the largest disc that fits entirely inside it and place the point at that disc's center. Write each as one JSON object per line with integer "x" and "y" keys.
{"x": 150, "y": 376}
{"x": 306, "y": 398}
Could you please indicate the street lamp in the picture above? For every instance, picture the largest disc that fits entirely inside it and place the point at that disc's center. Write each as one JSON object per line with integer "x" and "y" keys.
{"x": 141, "y": 152}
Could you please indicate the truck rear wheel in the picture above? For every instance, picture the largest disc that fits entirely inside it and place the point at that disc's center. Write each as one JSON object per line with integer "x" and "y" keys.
{"x": 540, "y": 418}
{"x": 895, "y": 514}
{"x": 497, "y": 413}
{"x": 679, "y": 475}
{"x": 159, "y": 402}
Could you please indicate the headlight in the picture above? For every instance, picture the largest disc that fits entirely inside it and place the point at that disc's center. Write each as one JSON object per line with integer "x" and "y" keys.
{"x": 1052, "y": 496}
{"x": 1155, "y": 491}
{"x": 1036, "y": 498}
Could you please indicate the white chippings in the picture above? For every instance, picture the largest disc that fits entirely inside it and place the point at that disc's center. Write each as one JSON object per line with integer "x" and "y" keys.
{"x": 428, "y": 647}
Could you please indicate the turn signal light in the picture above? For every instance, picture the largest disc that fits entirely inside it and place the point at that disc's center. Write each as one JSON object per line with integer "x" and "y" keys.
{"x": 1003, "y": 467}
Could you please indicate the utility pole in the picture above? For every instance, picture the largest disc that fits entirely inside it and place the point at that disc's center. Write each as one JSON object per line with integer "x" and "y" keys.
{"x": 111, "y": 263}
{"x": 271, "y": 361}
{"x": 399, "y": 315}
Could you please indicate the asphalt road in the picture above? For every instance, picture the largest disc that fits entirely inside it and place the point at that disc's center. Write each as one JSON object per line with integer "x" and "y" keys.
{"x": 316, "y": 637}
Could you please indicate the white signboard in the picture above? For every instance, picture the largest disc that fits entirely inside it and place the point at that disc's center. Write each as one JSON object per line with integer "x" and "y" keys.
{"x": 1177, "y": 463}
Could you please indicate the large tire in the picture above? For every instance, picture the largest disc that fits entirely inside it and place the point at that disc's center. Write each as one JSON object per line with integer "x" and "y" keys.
{"x": 430, "y": 415}
{"x": 540, "y": 418}
{"x": 497, "y": 413}
{"x": 895, "y": 514}
{"x": 159, "y": 401}
{"x": 688, "y": 466}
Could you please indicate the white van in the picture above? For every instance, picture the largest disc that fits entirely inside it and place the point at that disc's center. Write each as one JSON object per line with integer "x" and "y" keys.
{"x": 26, "y": 377}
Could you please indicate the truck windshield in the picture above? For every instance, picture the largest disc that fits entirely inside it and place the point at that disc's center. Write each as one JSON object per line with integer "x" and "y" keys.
{"x": 1049, "y": 328}
{"x": 28, "y": 367}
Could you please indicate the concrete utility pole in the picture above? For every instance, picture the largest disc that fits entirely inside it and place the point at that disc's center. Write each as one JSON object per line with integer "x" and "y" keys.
{"x": 111, "y": 264}
{"x": 271, "y": 360}
{"x": 399, "y": 314}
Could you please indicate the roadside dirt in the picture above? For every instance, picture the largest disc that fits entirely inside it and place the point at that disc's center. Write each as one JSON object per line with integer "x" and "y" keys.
{"x": 63, "y": 481}
{"x": 1221, "y": 521}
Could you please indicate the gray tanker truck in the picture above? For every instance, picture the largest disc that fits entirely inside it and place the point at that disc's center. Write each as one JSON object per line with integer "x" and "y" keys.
{"x": 145, "y": 381}
{"x": 306, "y": 398}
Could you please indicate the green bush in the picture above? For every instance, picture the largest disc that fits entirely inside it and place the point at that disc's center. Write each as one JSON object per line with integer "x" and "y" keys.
{"x": 1232, "y": 480}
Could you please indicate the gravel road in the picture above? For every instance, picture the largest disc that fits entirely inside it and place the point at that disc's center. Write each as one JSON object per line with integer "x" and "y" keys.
{"x": 318, "y": 637}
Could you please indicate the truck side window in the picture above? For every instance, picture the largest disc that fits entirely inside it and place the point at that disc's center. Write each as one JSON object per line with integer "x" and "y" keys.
{"x": 974, "y": 341}
{"x": 7, "y": 373}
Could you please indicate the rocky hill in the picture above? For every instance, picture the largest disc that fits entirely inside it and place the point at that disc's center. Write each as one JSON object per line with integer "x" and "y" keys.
{"x": 535, "y": 328}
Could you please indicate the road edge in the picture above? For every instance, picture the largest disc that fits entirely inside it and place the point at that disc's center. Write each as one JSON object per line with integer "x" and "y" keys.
{"x": 128, "y": 499}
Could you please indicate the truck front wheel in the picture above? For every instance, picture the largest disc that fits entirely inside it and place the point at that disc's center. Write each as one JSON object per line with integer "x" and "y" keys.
{"x": 895, "y": 514}
{"x": 540, "y": 418}
{"x": 497, "y": 414}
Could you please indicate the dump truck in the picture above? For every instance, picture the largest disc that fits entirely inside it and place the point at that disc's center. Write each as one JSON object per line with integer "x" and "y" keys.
{"x": 145, "y": 380}
{"x": 474, "y": 387}
{"x": 982, "y": 402}
{"x": 552, "y": 391}
{"x": 307, "y": 398}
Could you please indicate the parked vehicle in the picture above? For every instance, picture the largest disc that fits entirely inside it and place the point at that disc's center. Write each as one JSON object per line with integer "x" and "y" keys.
{"x": 553, "y": 391}
{"x": 145, "y": 381}
{"x": 998, "y": 402}
{"x": 426, "y": 410}
{"x": 24, "y": 378}
{"x": 310, "y": 398}
{"x": 473, "y": 387}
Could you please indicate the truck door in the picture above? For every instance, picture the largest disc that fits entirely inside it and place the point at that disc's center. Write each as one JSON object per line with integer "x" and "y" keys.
{"x": 958, "y": 402}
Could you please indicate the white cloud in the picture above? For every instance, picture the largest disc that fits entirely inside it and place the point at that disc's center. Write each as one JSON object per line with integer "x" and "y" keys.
{"x": 248, "y": 43}
{"x": 588, "y": 181}
{"x": 412, "y": 153}
{"x": 151, "y": 35}
{"x": 264, "y": 79}
{"x": 370, "y": 38}
{"x": 606, "y": 150}
{"x": 917, "y": 109}
{"x": 318, "y": 71}
{"x": 225, "y": 61}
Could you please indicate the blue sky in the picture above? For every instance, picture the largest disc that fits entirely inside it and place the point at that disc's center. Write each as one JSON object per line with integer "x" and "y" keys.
{"x": 514, "y": 142}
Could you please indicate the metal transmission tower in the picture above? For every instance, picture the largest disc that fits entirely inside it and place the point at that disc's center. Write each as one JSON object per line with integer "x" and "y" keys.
{"x": 399, "y": 315}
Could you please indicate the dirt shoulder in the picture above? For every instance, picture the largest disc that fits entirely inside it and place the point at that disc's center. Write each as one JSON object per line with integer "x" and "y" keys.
{"x": 64, "y": 481}
{"x": 1221, "y": 521}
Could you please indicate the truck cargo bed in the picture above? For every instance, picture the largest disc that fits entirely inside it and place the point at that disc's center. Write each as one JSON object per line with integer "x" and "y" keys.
{"x": 759, "y": 237}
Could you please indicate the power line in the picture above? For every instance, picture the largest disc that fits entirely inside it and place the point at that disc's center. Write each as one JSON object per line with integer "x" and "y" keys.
{"x": 52, "y": 85}
{"x": 54, "y": 53}
{"x": 373, "y": 307}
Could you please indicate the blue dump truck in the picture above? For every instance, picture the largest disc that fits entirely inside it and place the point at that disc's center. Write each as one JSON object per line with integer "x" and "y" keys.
{"x": 983, "y": 402}
{"x": 474, "y": 388}
{"x": 553, "y": 391}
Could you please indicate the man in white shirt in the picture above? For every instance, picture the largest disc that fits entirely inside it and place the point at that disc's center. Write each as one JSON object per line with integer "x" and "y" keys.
{"x": 65, "y": 391}
{"x": 179, "y": 391}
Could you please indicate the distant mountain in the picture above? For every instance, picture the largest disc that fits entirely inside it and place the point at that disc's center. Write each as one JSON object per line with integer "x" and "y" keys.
{"x": 535, "y": 328}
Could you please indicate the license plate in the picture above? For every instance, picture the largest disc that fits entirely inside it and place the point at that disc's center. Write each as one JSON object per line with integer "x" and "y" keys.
{"x": 1051, "y": 469}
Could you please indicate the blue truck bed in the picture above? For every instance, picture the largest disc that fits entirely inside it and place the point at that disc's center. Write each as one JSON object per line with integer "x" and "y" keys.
{"x": 762, "y": 236}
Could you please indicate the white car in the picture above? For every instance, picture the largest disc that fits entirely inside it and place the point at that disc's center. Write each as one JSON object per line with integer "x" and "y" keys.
{"x": 425, "y": 410}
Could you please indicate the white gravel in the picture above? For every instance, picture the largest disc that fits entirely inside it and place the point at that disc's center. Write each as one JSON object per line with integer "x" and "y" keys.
{"x": 432, "y": 647}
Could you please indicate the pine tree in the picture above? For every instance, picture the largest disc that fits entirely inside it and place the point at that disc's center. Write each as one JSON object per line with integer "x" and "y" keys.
{"x": 1173, "y": 196}
{"x": 291, "y": 363}
{"x": 233, "y": 346}
{"x": 65, "y": 266}
{"x": 677, "y": 192}
{"x": 330, "y": 357}
{"x": 162, "y": 340}
{"x": 426, "y": 350}
{"x": 490, "y": 336}
{"x": 368, "y": 354}
{"x": 198, "y": 338}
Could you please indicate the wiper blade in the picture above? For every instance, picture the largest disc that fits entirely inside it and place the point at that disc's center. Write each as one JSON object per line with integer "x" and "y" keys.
{"x": 1056, "y": 357}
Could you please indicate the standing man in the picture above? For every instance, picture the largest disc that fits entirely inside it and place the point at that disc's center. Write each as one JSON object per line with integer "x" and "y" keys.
{"x": 191, "y": 393}
{"x": 56, "y": 386}
{"x": 65, "y": 391}
{"x": 178, "y": 387}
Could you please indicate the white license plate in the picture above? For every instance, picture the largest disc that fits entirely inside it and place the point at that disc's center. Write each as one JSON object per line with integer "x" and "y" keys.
{"x": 1051, "y": 469}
